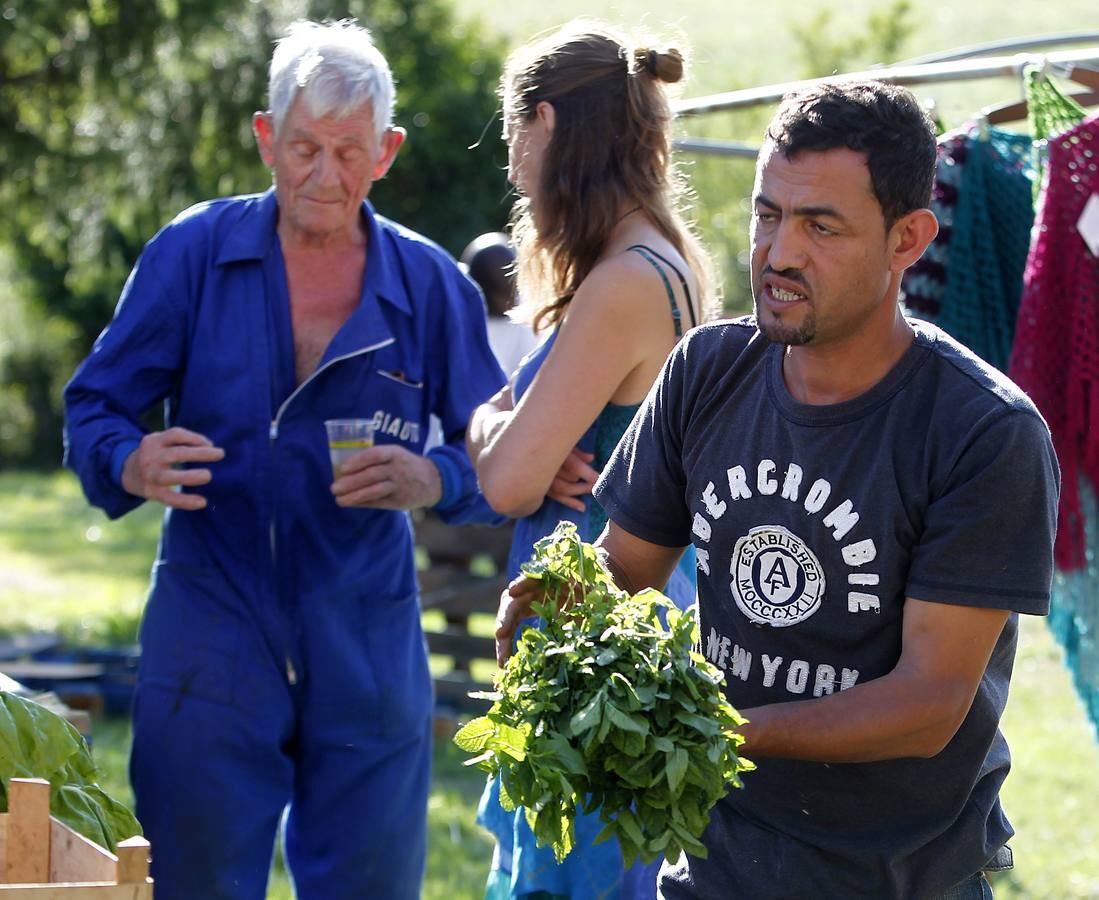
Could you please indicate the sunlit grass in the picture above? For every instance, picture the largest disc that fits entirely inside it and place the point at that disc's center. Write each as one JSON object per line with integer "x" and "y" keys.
{"x": 1052, "y": 793}
{"x": 65, "y": 567}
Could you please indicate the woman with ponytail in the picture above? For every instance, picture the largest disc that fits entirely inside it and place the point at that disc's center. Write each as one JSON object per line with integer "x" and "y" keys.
{"x": 613, "y": 275}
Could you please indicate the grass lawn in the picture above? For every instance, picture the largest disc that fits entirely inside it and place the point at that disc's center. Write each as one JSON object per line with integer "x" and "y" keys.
{"x": 64, "y": 566}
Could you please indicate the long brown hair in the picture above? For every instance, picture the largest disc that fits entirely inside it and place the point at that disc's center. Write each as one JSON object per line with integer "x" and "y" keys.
{"x": 610, "y": 146}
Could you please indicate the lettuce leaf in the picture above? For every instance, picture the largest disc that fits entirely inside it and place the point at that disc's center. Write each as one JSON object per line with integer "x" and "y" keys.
{"x": 38, "y": 743}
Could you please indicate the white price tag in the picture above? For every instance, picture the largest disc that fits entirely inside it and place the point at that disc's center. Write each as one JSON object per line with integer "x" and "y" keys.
{"x": 1088, "y": 224}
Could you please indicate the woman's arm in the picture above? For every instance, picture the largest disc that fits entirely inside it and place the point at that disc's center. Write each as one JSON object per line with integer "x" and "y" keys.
{"x": 487, "y": 420}
{"x": 618, "y": 323}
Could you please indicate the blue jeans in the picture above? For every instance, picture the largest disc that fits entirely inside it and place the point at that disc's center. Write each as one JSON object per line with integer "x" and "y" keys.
{"x": 975, "y": 888}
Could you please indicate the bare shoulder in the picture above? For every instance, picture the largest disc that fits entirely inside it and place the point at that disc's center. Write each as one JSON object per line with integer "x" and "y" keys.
{"x": 625, "y": 287}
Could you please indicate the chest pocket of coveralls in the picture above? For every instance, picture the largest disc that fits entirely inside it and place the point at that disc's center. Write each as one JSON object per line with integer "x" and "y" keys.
{"x": 397, "y": 400}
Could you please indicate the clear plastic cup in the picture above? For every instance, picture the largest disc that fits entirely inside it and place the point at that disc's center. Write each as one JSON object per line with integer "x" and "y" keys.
{"x": 346, "y": 437}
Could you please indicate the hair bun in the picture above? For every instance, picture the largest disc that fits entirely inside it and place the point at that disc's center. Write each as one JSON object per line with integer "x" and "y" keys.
{"x": 665, "y": 65}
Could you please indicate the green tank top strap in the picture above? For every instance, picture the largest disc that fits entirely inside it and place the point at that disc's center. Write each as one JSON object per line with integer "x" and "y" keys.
{"x": 683, "y": 281}
{"x": 652, "y": 256}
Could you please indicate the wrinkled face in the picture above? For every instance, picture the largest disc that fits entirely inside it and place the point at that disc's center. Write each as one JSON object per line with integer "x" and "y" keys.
{"x": 324, "y": 167}
{"x": 527, "y": 140}
{"x": 820, "y": 255}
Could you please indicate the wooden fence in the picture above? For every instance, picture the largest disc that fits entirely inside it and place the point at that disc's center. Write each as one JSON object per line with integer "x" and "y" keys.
{"x": 452, "y": 585}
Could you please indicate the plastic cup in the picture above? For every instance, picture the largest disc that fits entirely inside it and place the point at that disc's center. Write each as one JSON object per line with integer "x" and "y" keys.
{"x": 346, "y": 437}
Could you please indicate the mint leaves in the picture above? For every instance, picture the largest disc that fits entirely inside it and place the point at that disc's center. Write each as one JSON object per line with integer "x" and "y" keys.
{"x": 607, "y": 708}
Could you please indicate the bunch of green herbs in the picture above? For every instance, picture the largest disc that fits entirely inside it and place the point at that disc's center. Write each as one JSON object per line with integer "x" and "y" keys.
{"x": 607, "y": 708}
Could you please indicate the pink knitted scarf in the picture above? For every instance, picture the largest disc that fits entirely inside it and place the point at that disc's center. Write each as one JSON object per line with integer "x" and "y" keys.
{"x": 1055, "y": 357}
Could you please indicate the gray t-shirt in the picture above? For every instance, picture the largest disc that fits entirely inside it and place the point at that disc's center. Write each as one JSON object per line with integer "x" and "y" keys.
{"x": 812, "y": 525}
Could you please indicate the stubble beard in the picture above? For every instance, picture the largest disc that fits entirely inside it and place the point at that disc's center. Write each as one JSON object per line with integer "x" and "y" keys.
{"x": 778, "y": 332}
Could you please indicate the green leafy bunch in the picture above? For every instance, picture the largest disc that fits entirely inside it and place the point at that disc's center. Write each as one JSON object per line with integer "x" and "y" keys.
{"x": 38, "y": 743}
{"x": 606, "y": 708}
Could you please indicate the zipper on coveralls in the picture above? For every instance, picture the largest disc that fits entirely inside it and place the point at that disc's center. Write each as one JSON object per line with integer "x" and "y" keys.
{"x": 273, "y": 434}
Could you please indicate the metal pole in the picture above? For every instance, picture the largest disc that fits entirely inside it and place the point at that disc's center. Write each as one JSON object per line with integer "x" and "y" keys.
{"x": 716, "y": 148}
{"x": 1034, "y": 42}
{"x": 930, "y": 73}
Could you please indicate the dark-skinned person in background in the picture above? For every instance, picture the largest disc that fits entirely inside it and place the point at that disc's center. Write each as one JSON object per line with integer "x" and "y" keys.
{"x": 490, "y": 261}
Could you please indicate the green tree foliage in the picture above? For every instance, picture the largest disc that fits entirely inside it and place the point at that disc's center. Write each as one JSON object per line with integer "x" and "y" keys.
{"x": 36, "y": 355}
{"x": 117, "y": 114}
{"x": 103, "y": 115}
{"x": 886, "y": 32}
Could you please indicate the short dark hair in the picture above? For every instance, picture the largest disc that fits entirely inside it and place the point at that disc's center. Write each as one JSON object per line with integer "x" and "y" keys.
{"x": 882, "y": 120}
{"x": 490, "y": 261}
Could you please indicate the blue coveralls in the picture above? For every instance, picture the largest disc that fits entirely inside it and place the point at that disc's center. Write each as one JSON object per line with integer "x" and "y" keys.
{"x": 282, "y": 656}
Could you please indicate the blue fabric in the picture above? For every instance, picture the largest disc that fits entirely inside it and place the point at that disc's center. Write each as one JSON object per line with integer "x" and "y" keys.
{"x": 590, "y": 871}
{"x": 1074, "y": 610}
{"x": 214, "y": 763}
{"x": 529, "y": 529}
{"x": 975, "y": 888}
{"x": 282, "y": 633}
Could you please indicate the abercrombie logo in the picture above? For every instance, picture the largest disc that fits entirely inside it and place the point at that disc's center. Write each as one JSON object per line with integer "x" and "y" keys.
{"x": 777, "y": 580}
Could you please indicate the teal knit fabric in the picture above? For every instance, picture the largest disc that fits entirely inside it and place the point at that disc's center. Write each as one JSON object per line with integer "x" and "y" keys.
{"x": 988, "y": 245}
{"x": 1074, "y": 610}
{"x": 609, "y": 428}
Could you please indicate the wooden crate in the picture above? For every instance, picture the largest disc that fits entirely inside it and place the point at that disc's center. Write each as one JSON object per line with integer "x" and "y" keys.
{"x": 43, "y": 859}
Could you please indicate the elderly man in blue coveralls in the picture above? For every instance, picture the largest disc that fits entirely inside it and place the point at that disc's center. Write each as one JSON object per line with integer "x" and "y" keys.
{"x": 282, "y": 658}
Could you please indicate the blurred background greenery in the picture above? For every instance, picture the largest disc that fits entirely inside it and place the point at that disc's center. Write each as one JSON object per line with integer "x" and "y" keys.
{"x": 117, "y": 114}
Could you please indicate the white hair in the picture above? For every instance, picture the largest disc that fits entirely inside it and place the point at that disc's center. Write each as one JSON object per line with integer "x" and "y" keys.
{"x": 335, "y": 67}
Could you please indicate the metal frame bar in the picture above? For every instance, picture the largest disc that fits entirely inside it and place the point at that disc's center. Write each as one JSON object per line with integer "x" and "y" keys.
{"x": 927, "y": 73}
{"x": 709, "y": 147}
{"x": 1028, "y": 43}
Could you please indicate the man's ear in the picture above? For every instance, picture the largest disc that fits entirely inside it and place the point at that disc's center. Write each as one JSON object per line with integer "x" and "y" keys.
{"x": 391, "y": 142}
{"x": 263, "y": 127}
{"x": 909, "y": 237}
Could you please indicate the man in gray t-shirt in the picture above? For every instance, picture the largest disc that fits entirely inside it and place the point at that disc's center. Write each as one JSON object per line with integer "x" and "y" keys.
{"x": 871, "y": 505}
